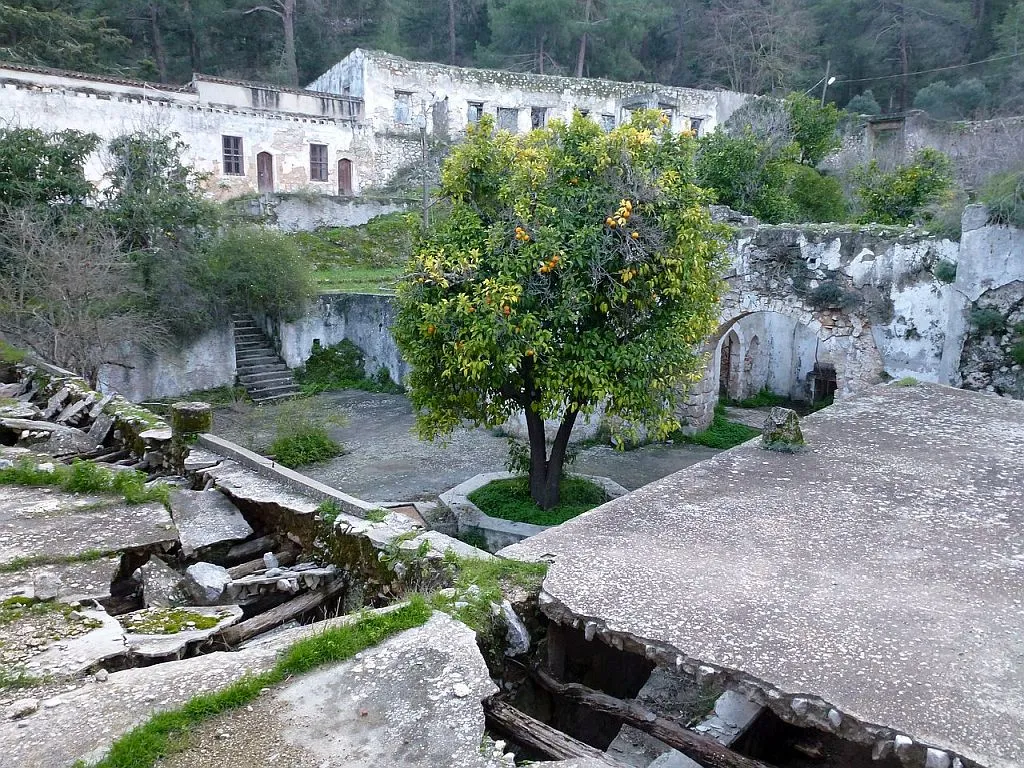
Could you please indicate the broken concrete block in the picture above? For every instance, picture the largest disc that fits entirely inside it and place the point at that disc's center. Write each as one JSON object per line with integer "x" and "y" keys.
{"x": 46, "y": 585}
{"x": 782, "y": 432}
{"x": 206, "y": 582}
{"x": 100, "y": 428}
{"x": 161, "y": 584}
{"x": 205, "y": 518}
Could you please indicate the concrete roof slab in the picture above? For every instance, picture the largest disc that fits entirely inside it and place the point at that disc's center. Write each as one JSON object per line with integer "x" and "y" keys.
{"x": 881, "y": 570}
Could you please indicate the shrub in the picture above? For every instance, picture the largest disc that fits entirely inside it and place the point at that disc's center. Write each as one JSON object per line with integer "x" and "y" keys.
{"x": 831, "y": 295}
{"x": 256, "y": 269}
{"x": 341, "y": 366}
{"x": 946, "y": 102}
{"x": 10, "y": 354}
{"x": 988, "y": 321}
{"x": 944, "y": 271}
{"x": 864, "y": 104}
{"x": 1017, "y": 353}
{"x": 814, "y": 127}
{"x": 816, "y": 197}
{"x": 746, "y": 176}
{"x": 901, "y": 195}
{"x": 301, "y": 436}
{"x": 723, "y": 434}
{"x": 1004, "y": 196}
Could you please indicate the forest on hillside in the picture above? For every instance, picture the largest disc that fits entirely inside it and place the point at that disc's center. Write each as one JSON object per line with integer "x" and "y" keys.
{"x": 957, "y": 59}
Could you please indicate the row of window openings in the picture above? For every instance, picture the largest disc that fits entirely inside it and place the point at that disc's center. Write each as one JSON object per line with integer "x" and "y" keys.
{"x": 508, "y": 117}
{"x": 234, "y": 163}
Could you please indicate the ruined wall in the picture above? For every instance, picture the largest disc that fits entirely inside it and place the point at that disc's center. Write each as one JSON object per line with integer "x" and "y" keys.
{"x": 202, "y": 115}
{"x": 205, "y": 363}
{"x": 364, "y": 319}
{"x": 304, "y": 213}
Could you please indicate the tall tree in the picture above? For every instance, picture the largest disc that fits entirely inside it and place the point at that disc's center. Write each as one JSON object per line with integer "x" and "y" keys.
{"x": 284, "y": 10}
{"x": 43, "y": 33}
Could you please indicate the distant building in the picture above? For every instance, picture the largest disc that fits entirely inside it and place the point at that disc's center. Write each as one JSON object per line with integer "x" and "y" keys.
{"x": 354, "y": 128}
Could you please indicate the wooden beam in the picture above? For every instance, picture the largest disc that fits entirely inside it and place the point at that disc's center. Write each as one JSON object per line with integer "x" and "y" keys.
{"x": 284, "y": 612}
{"x": 285, "y": 558}
{"x": 548, "y": 741}
{"x": 704, "y": 750}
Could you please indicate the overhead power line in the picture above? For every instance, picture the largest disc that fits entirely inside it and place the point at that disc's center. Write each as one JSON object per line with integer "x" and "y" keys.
{"x": 936, "y": 69}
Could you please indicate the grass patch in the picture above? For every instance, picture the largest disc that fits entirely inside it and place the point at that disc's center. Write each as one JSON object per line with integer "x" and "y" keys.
{"x": 85, "y": 477}
{"x": 721, "y": 434}
{"x": 493, "y": 578}
{"x": 167, "y": 731}
{"x": 907, "y": 381}
{"x": 21, "y": 563}
{"x": 763, "y": 399}
{"x": 17, "y": 608}
{"x": 510, "y": 500}
{"x": 11, "y": 355}
{"x": 341, "y": 366}
{"x": 166, "y": 621}
{"x": 309, "y": 445}
{"x": 376, "y": 515}
{"x": 364, "y": 259}
{"x": 13, "y": 679}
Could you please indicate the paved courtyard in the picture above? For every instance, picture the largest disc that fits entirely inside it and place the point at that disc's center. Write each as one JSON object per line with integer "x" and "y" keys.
{"x": 386, "y": 461}
{"x": 873, "y": 581}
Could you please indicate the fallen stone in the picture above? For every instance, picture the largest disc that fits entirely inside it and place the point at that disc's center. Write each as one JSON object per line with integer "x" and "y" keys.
{"x": 781, "y": 431}
{"x": 199, "y": 459}
{"x": 22, "y": 708}
{"x": 101, "y": 676}
{"x": 206, "y": 518}
{"x": 206, "y": 582}
{"x": 270, "y": 560}
{"x": 46, "y": 585}
{"x": 73, "y": 655}
{"x": 100, "y": 428}
{"x": 251, "y": 549}
{"x": 20, "y": 411}
{"x": 440, "y": 544}
{"x": 161, "y": 584}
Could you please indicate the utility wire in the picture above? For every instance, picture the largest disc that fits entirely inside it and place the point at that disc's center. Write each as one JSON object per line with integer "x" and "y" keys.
{"x": 936, "y": 69}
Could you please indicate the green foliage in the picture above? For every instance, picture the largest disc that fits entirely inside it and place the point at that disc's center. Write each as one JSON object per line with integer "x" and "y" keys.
{"x": 257, "y": 269}
{"x": 364, "y": 259}
{"x": 341, "y": 366}
{"x": 864, "y": 104}
{"x": 301, "y": 437}
{"x": 86, "y": 477}
{"x": 45, "y": 34}
{"x": 816, "y": 198}
{"x": 900, "y": 196}
{"x": 1004, "y": 196}
{"x": 492, "y": 578}
{"x": 829, "y": 294}
{"x": 1017, "y": 353}
{"x": 576, "y": 267}
{"x": 746, "y": 176}
{"x": 10, "y": 354}
{"x": 166, "y": 732}
{"x": 763, "y": 399}
{"x": 328, "y": 512}
{"x": 988, "y": 321}
{"x": 907, "y": 381}
{"x": 166, "y": 621}
{"x": 21, "y": 563}
{"x": 965, "y": 100}
{"x": 41, "y": 169}
{"x": 814, "y": 127}
{"x": 722, "y": 434}
{"x": 944, "y": 271}
{"x": 510, "y": 500}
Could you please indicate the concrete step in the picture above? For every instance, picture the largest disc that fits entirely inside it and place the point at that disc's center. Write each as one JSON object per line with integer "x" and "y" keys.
{"x": 272, "y": 398}
{"x": 253, "y": 377}
{"x": 245, "y": 369}
{"x": 248, "y": 325}
{"x": 253, "y": 344}
{"x": 273, "y": 381}
{"x": 261, "y": 351}
{"x": 263, "y": 394}
{"x": 260, "y": 359}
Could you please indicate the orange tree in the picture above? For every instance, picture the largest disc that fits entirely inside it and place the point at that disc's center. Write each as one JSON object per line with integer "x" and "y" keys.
{"x": 574, "y": 268}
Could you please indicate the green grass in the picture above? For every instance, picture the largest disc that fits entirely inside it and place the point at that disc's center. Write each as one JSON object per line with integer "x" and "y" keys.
{"x": 9, "y": 354}
{"x": 167, "y": 732}
{"x": 493, "y": 578}
{"x": 510, "y": 500}
{"x": 14, "y": 678}
{"x": 166, "y": 621}
{"x": 16, "y": 608}
{"x": 21, "y": 563}
{"x": 307, "y": 446}
{"x": 364, "y": 259}
{"x": 907, "y": 381}
{"x": 763, "y": 399}
{"x": 85, "y": 477}
{"x": 722, "y": 434}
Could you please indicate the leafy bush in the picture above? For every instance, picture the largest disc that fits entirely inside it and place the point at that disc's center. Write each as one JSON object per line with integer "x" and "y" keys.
{"x": 816, "y": 197}
{"x": 945, "y": 102}
{"x": 988, "y": 321}
{"x": 814, "y": 127}
{"x": 301, "y": 435}
{"x": 1017, "y": 353}
{"x": 864, "y": 104}
{"x": 341, "y": 366}
{"x": 1004, "y": 196}
{"x": 944, "y": 271}
{"x": 86, "y": 477}
{"x": 746, "y": 176}
{"x": 901, "y": 195}
{"x": 10, "y": 354}
{"x": 831, "y": 295}
{"x": 510, "y": 500}
{"x": 256, "y": 269}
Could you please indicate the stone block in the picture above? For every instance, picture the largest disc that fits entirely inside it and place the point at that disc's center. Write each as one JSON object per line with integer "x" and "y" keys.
{"x": 782, "y": 431}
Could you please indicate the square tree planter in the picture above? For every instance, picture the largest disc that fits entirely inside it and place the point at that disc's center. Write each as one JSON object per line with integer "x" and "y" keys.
{"x": 496, "y": 532}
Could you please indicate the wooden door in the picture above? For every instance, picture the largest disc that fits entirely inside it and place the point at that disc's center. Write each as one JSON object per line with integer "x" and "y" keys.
{"x": 344, "y": 177}
{"x": 265, "y": 172}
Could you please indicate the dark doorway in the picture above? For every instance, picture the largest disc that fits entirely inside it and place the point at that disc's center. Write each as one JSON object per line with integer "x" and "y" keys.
{"x": 823, "y": 383}
{"x": 265, "y": 172}
{"x": 344, "y": 177}
{"x": 729, "y": 371}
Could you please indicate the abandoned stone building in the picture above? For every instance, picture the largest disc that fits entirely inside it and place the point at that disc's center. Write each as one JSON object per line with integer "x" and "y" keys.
{"x": 353, "y": 129}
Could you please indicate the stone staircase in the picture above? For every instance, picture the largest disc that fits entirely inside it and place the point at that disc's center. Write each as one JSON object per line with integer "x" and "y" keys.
{"x": 260, "y": 369}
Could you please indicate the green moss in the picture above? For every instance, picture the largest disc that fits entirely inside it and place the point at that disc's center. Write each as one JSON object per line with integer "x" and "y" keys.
{"x": 11, "y": 355}
{"x": 166, "y": 621}
{"x": 86, "y": 477}
{"x": 18, "y": 608}
{"x": 907, "y": 381}
{"x": 166, "y": 732}
{"x": 21, "y": 563}
{"x": 376, "y": 515}
{"x": 510, "y": 500}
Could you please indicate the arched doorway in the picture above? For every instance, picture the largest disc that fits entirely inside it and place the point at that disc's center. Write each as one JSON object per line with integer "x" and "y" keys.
{"x": 265, "y": 173}
{"x": 730, "y": 367}
{"x": 344, "y": 176}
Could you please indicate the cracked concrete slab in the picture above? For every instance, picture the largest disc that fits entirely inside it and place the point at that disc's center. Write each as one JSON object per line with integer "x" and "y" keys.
{"x": 50, "y": 523}
{"x": 871, "y": 584}
{"x": 157, "y": 646}
{"x": 89, "y": 580}
{"x": 206, "y": 518}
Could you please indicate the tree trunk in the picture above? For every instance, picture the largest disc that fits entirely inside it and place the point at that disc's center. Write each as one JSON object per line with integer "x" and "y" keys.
{"x": 582, "y": 54}
{"x": 194, "y": 58}
{"x": 904, "y": 59}
{"x": 451, "y": 32}
{"x": 291, "y": 67}
{"x": 159, "y": 54}
{"x": 545, "y": 469}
